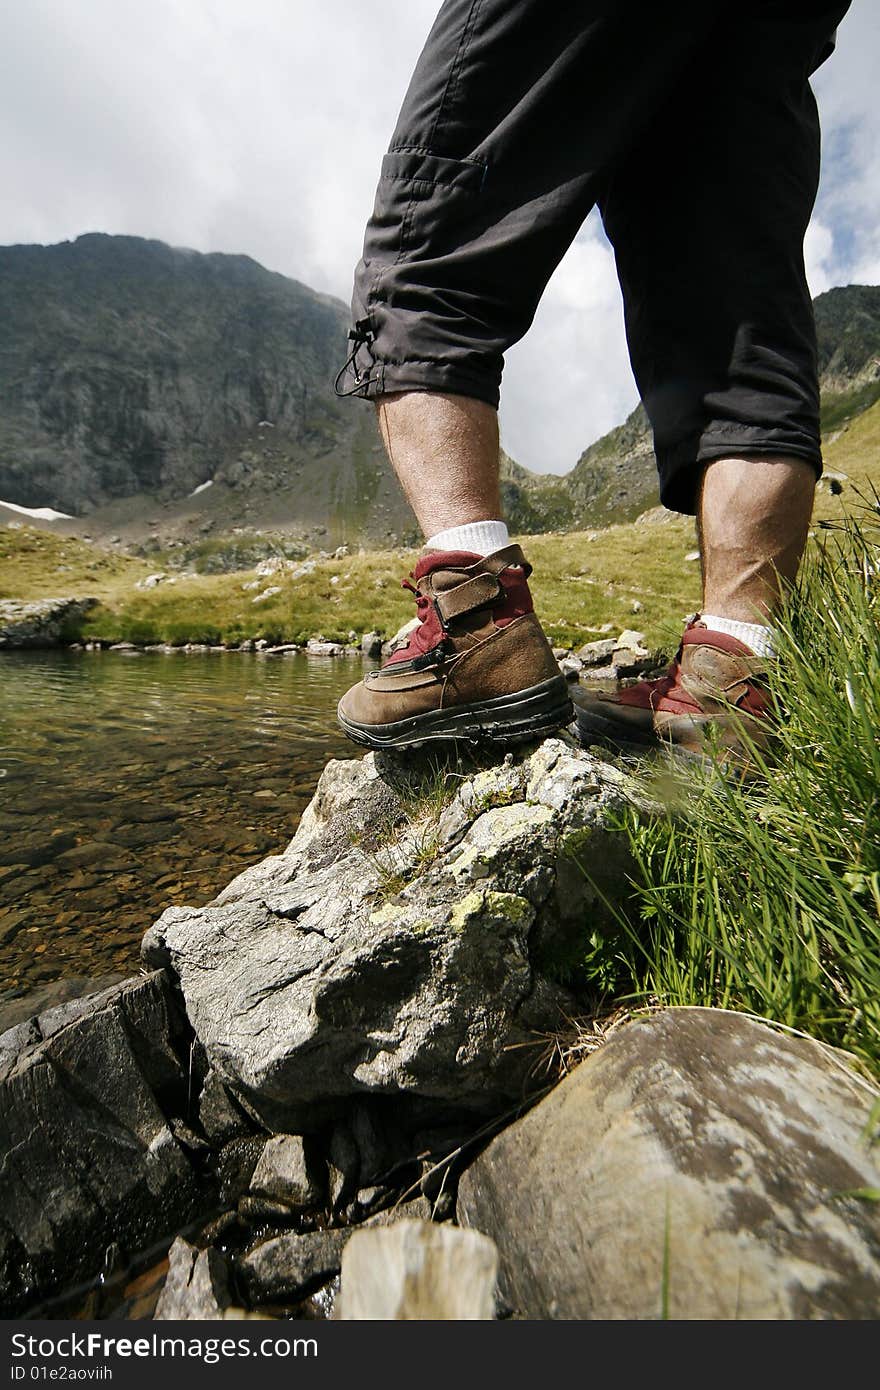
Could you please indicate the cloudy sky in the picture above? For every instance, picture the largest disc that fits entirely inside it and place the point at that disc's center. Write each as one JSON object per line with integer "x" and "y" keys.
{"x": 258, "y": 127}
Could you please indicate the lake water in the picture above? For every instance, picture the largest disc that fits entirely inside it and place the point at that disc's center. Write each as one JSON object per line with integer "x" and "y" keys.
{"x": 131, "y": 782}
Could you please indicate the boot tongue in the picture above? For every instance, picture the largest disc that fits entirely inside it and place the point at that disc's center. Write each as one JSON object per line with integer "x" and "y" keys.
{"x": 444, "y": 560}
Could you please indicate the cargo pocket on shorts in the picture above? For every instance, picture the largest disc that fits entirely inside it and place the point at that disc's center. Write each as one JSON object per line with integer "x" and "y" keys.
{"x": 421, "y": 201}
{"x": 424, "y": 210}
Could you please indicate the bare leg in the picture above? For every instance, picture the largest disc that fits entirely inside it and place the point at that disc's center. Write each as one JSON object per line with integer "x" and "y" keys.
{"x": 753, "y": 518}
{"x": 444, "y": 449}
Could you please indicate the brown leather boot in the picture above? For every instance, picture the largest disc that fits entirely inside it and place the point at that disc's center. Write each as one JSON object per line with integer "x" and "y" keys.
{"x": 477, "y": 667}
{"x": 715, "y": 689}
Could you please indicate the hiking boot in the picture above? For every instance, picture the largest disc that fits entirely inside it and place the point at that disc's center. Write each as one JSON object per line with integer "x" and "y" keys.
{"x": 713, "y": 691}
{"x": 477, "y": 666}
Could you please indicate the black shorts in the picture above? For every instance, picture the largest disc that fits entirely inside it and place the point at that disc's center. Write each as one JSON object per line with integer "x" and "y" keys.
{"x": 693, "y": 127}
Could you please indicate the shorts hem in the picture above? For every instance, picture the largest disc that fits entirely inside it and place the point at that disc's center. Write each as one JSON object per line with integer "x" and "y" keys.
{"x": 389, "y": 378}
{"x": 681, "y": 467}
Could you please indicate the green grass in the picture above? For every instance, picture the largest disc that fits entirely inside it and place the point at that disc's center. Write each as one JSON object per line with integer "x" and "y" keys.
{"x": 581, "y": 582}
{"x": 855, "y": 451}
{"x": 407, "y": 840}
{"x": 38, "y": 564}
{"x": 765, "y": 895}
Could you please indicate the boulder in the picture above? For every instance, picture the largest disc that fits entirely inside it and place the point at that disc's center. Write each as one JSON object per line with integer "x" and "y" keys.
{"x": 234, "y": 1166}
{"x": 571, "y": 667}
{"x": 274, "y": 564}
{"x": 88, "y": 1095}
{"x": 39, "y": 622}
{"x": 292, "y": 1265}
{"x": 219, "y": 1115}
{"x": 701, "y": 1165}
{"x": 392, "y": 952}
{"x": 415, "y": 1209}
{"x": 345, "y": 1164}
{"x": 316, "y": 646}
{"x": 401, "y": 637}
{"x": 415, "y": 1270}
{"x": 597, "y": 653}
{"x": 614, "y": 658}
{"x": 288, "y": 1172}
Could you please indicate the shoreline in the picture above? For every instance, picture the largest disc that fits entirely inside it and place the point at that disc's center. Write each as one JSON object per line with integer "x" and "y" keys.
{"x": 608, "y": 660}
{"x": 254, "y": 646}
{"x": 46, "y": 625}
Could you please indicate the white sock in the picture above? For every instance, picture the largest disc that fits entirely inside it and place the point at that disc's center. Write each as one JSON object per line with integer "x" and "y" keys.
{"x": 479, "y": 537}
{"x": 755, "y": 635}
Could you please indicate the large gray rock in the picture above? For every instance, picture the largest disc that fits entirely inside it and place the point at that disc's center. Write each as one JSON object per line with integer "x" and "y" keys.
{"x": 219, "y": 1116}
{"x": 699, "y": 1133}
{"x": 39, "y": 622}
{"x": 88, "y": 1093}
{"x": 387, "y": 952}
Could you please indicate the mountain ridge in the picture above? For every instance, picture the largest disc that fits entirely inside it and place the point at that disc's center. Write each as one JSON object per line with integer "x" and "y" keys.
{"x": 134, "y": 374}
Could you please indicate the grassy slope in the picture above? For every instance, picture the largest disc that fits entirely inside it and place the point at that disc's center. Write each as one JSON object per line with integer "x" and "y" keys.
{"x": 574, "y": 589}
{"x": 582, "y": 580}
{"x": 38, "y": 564}
{"x": 855, "y": 451}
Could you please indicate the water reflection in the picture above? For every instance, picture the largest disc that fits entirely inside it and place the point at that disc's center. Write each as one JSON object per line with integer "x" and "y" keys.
{"x": 129, "y": 782}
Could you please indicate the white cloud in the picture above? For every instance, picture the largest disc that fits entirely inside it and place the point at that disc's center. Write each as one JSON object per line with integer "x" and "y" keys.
{"x": 569, "y": 380}
{"x": 849, "y": 195}
{"x": 254, "y": 129}
{"x": 259, "y": 129}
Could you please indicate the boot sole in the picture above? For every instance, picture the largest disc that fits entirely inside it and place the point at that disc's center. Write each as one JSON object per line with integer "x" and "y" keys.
{"x": 522, "y": 717}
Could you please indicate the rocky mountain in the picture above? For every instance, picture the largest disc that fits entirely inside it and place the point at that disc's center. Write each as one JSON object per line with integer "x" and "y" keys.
{"x": 848, "y": 331}
{"x": 615, "y": 478}
{"x": 150, "y": 391}
{"x": 133, "y": 370}
{"x": 533, "y": 502}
